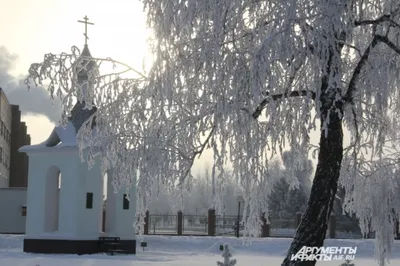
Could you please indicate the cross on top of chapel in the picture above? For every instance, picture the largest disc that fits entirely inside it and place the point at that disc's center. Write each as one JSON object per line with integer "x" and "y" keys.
{"x": 86, "y": 22}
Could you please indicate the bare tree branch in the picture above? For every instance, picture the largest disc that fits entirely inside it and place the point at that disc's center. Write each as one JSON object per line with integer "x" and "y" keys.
{"x": 276, "y": 97}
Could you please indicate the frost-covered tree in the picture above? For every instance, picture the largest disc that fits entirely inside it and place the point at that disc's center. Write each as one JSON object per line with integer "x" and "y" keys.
{"x": 196, "y": 200}
{"x": 247, "y": 79}
{"x": 226, "y": 254}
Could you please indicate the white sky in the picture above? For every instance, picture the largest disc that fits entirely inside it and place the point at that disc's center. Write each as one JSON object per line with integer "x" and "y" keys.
{"x": 33, "y": 28}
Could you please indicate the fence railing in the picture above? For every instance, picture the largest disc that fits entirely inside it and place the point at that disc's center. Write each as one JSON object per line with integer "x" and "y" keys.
{"x": 212, "y": 225}
{"x": 282, "y": 227}
{"x": 162, "y": 224}
{"x": 195, "y": 224}
{"x": 227, "y": 224}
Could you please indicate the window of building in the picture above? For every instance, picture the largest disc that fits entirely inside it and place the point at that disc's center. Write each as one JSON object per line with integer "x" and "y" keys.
{"x": 23, "y": 210}
{"x": 89, "y": 200}
{"x": 126, "y": 202}
{"x": 1, "y": 154}
{"x": 2, "y": 129}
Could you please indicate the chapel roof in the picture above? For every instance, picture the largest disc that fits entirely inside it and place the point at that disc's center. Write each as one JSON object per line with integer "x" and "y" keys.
{"x": 66, "y": 136}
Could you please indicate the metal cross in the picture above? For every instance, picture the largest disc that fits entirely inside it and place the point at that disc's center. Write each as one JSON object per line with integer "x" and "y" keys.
{"x": 86, "y": 23}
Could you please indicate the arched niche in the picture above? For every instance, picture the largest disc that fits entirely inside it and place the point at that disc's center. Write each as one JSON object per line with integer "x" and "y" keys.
{"x": 52, "y": 199}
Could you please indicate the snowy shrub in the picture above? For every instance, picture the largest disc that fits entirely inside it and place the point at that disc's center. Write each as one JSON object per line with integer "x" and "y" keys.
{"x": 347, "y": 263}
{"x": 227, "y": 258}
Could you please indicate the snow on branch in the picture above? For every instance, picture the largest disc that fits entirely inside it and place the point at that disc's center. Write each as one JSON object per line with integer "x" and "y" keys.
{"x": 383, "y": 18}
{"x": 358, "y": 68}
{"x": 276, "y": 97}
{"x": 364, "y": 59}
{"x": 373, "y": 21}
{"x": 386, "y": 40}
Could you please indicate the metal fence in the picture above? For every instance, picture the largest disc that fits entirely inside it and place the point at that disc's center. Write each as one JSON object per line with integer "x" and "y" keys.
{"x": 163, "y": 224}
{"x": 282, "y": 227}
{"x": 195, "y": 225}
{"x": 226, "y": 224}
{"x": 349, "y": 229}
{"x": 342, "y": 226}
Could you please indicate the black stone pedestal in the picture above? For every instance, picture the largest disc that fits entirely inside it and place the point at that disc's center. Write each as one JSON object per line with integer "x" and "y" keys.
{"x": 80, "y": 247}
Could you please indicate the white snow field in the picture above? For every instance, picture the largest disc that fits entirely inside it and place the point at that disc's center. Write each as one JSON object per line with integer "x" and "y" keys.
{"x": 183, "y": 251}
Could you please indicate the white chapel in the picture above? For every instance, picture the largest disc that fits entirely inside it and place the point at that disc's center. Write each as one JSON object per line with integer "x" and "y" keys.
{"x": 65, "y": 198}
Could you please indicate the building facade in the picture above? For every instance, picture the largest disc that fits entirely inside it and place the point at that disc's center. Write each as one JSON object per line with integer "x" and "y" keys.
{"x": 12, "y": 206}
{"x": 13, "y": 135}
{"x": 5, "y": 140}
{"x": 18, "y": 161}
{"x": 13, "y": 167}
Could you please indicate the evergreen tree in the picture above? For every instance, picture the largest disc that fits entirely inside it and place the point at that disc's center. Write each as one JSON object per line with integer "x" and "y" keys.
{"x": 277, "y": 199}
{"x": 285, "y": 201}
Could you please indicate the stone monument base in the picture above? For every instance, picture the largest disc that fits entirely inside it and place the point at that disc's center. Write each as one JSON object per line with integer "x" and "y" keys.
{"x": 80, "y": 247}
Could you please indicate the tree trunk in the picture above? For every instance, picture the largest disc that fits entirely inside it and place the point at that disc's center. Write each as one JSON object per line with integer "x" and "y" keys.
{"x": 313, "y": 226}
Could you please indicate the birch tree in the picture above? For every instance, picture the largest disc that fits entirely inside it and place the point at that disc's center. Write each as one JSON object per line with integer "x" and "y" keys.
{"x": 248, "y": 79}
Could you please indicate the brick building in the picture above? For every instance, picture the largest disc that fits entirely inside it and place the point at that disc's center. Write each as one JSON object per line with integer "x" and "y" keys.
{"x": 13, "y": 135}
{"x": 13, "y": 168}
{"x": 18, "y": 160}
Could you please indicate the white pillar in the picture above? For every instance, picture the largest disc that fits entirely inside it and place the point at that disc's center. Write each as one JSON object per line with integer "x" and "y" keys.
{"x": 119, "y": 221}
{"x": 89, "y": 181}
{"x": 35, "y": 219}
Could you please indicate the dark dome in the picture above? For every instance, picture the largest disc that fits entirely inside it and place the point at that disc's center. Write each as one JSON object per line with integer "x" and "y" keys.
{"x": 79, "y": 113}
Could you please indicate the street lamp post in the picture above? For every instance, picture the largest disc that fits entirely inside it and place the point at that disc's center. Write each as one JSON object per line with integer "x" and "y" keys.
{"x": 239, "y": 199}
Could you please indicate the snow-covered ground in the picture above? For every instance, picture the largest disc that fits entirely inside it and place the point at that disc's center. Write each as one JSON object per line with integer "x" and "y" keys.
{"x": 183, "y": 251}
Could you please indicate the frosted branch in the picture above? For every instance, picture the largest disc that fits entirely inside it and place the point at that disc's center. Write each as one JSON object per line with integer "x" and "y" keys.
{"x": 357, "y": 70}
{"x": 276, "y": 97}
{"x": 381, "y": 19}
{"x": 386, "y": 41}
